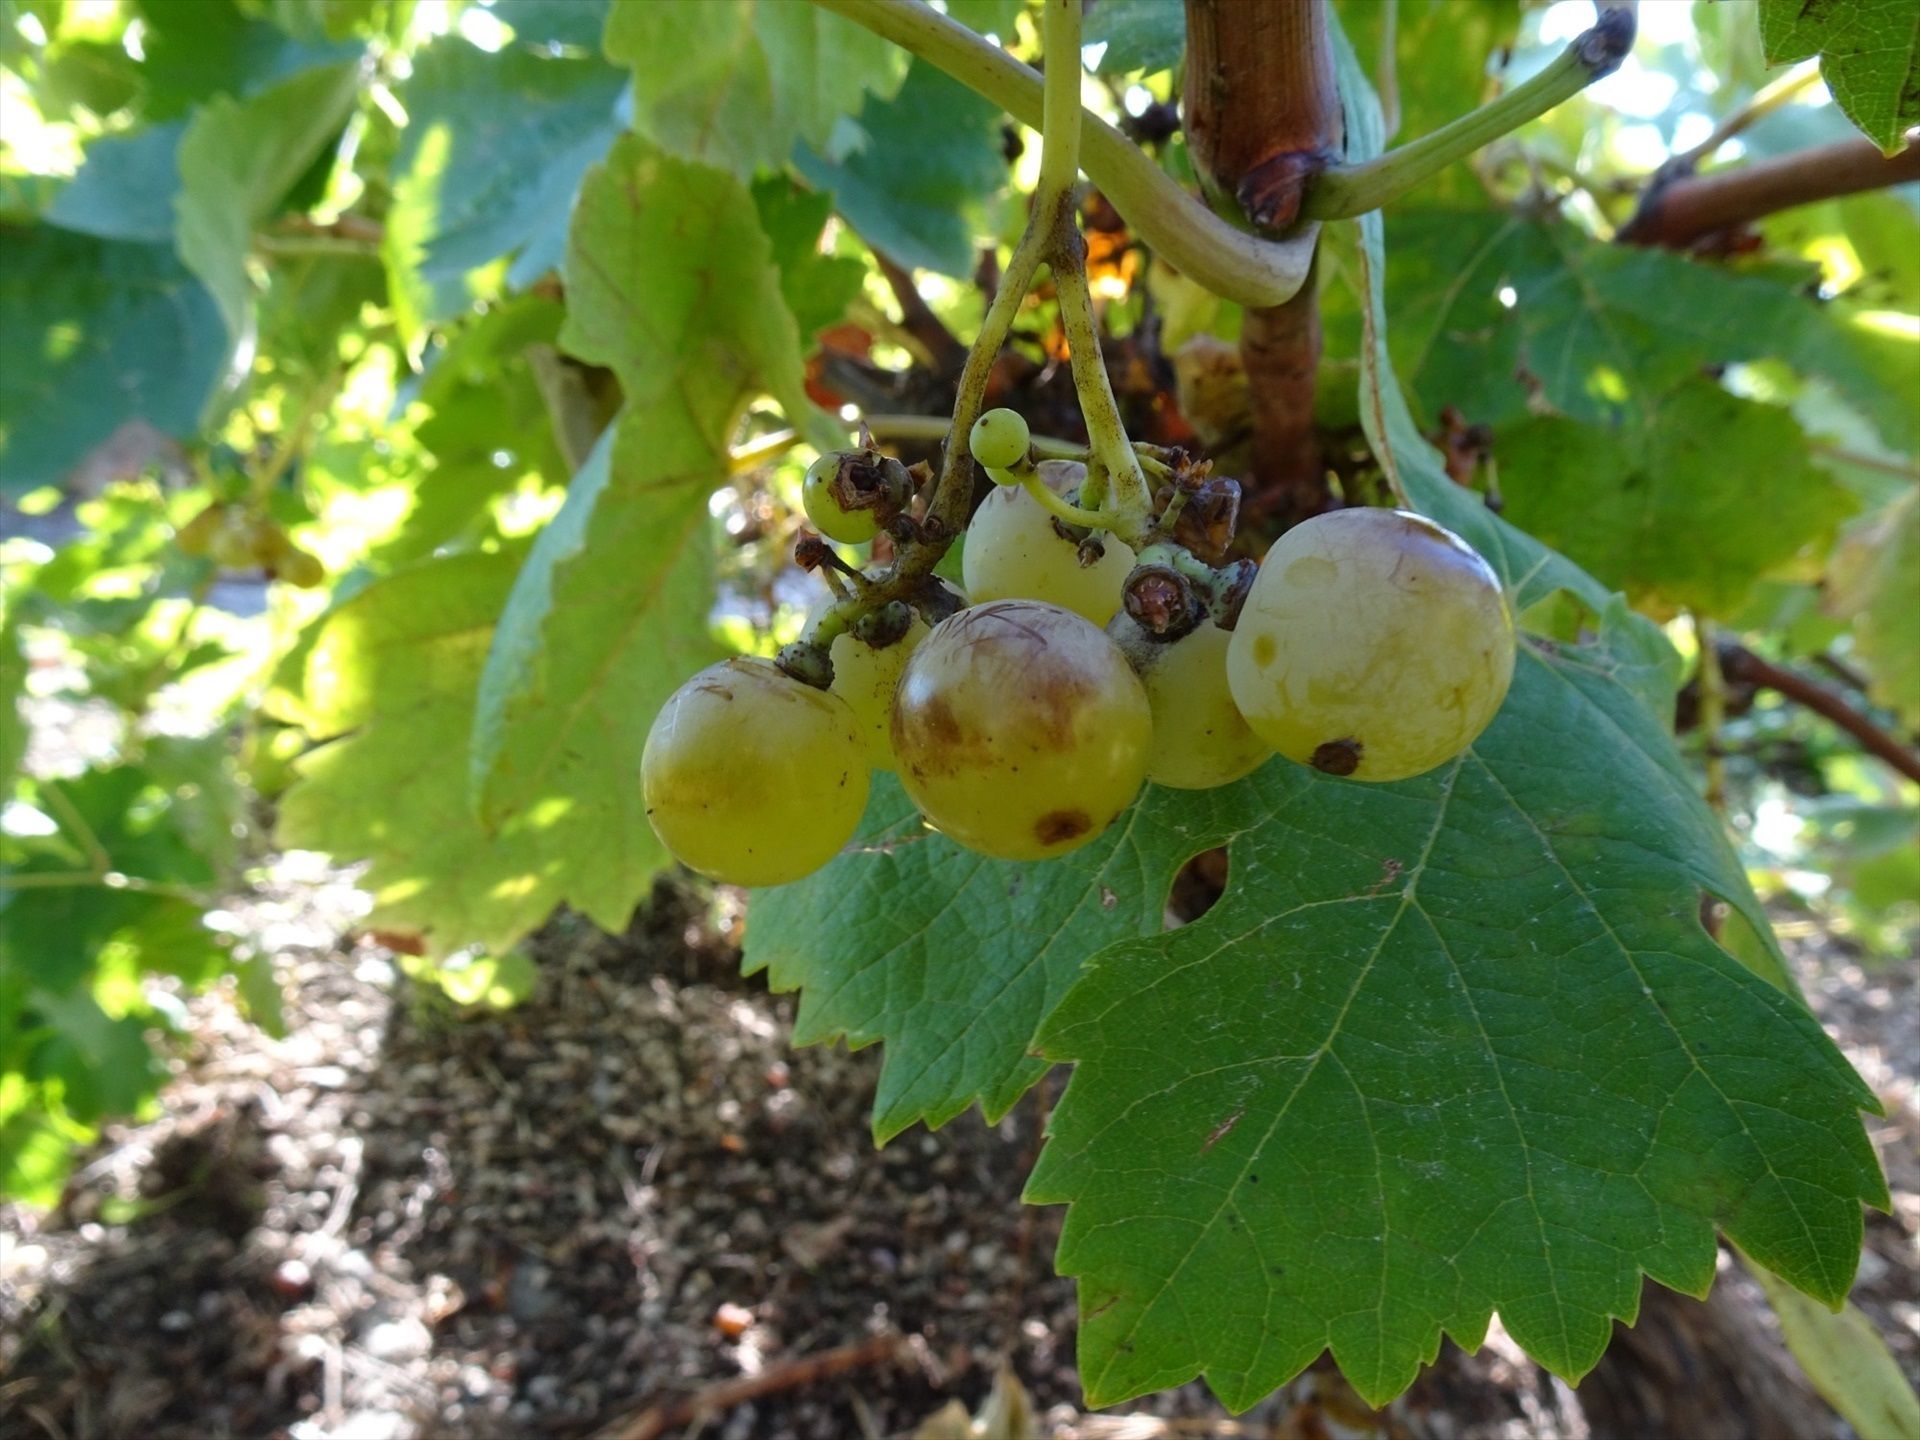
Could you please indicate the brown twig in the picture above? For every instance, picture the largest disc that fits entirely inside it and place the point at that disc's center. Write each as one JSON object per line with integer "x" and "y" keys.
{"x": 945, "y": 349}
{"x": 1841, "y": 671}
{"x": 1684, "y": 209}
{"x": 657, "y": 1420}
{"x": 1739, "y": 663}
{"x": 1263, "y": 118}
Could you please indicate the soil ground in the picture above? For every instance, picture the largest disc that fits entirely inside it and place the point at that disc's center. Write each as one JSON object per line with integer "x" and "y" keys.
{"x": 408, "y": 1220}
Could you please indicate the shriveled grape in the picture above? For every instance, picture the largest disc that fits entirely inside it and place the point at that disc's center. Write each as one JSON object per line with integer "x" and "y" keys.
{"x": 1374, "y": 643}
{"x": 751, "y": 777}
{"x": 1020, "y": 729}
{"x": 1014, "y": 552}
{"x": 1199, "y": 737}
{"x": 823, "y": 507}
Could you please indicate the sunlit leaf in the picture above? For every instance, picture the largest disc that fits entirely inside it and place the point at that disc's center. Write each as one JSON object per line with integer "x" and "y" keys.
{"x": 735, "y": 83}
{"x": 672, "y": 285}
{"x": 1869, "y": 56}
{"x": 238, "y": 159}
{"x": 100, "y": 332}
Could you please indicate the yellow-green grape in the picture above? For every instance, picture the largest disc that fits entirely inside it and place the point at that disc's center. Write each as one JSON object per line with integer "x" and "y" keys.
{"x": 866, "y": 678}
{"x": 751, "y": 777}
{"x": 829, "y": 516}
{"x": 1013, "y": 552}
{"x": 197, "y": 536}
{"x": 300, "y": 568}
{"x": 244, "y": 539}
{"x": 1199, "y": 737}
{"x": 999, "y": 439}
{"x": 1374, "y": 643}
{"x": 1020, "y": 730}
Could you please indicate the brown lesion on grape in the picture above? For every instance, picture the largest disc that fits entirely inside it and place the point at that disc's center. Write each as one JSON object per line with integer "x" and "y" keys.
{"x": 939, "y": 721}
{"x": 1337, "y": 757}
{"x": 1059, "y": 826}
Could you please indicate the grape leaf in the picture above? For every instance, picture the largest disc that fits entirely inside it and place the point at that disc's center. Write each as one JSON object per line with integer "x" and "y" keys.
{"x": 1504, "y": 315}
{"x": 1875, "y": 578}
{"x": 102, "y": 332}
{"x": 390, "y": 682}
{"x": 994, "y": 17}
{"x": 735, "y": 83}
{"x": 1446, "y": 1047}
{"x": 953, "y": 959}
{"x": 1444, "y": 51}
{"x": 817, "y": 287}
{"x": 576, "y": 23}
{"x": 1847, "y": 1362}
{"x": 238, "y": 159}
{"x": 125, "y": 189}
{"x": 1139, "y": 35}
{"x": 1722, "y": 491}
{"x": 1474, "y": 1054}
{"x": 915, "y": 168}
{"x": 494, "y": 151}
{"x": 1869, "y": 56}
{"x": 210, "y": 47}
{"x": 670, "y": 283}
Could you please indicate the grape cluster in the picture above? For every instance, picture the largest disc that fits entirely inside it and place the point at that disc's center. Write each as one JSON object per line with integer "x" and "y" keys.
{"x": 1369, "y": 643}
{"x": 239, "y": 537}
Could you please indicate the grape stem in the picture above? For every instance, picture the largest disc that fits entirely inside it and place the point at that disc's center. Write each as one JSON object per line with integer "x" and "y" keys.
{"x": 1052, "y": 237}
{"x": 1056, "y": 505}
{"x": 762, "y": 450}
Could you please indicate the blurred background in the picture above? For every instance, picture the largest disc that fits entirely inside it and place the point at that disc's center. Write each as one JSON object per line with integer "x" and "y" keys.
{"x": 280, "y": 302}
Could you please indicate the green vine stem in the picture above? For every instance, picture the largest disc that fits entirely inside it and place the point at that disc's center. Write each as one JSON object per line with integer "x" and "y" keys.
{"x": 1179, "y": 228}
{"x": 1343, "y": 191}
{"x": 1175, "y": 225}
{"x": 1052, "y": 236}
{"x": 1130, "y": 500}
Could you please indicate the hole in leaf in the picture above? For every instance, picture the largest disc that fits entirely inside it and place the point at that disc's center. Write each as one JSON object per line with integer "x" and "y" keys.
{"x": 1197, "y": 887}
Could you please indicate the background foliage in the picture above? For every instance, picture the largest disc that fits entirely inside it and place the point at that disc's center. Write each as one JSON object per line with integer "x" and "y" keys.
{"x": 503, "y": 319}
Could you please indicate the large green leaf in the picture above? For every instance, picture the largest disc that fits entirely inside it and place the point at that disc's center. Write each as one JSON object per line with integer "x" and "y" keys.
{"x": 1720, "y": 491}
{"x": 919, "y": 165}
{"x": 392, "y": 674}
{"x": 1445, "y": 1048}
{"x": 99, "y": 332}
{"x": 1586, "y": 359}
{"x": 1869, "y": 56}
{"x": 671, "y": 284}
{"x": 735, "y": 83}
{"x": 125, "y": 189}
{"x": 1875, "y": 581}
{"x": 204, "y": 48}
{"x": 576, "y": 23}
{"x": 1138, "y": 35}
{"x": 1502, "y": 315}
{"x": 817, "y": 287}
{"x": 953, "y": 959}
{"x": 238, "y": 159}
{"x": 494, "y": 150}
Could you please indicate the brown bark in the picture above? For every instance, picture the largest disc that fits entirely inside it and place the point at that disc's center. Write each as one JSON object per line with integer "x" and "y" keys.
{"x": 1685, "y": 209}
{"x": 1740, "y": 664}
{"x": 1262, "y": 118}
{"x": 1262, "y": 108}
{"x": 1708, "y": 1370}
{"x": 1280, "y": 349}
